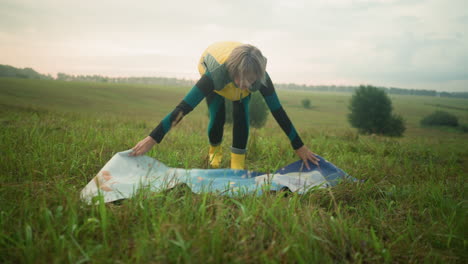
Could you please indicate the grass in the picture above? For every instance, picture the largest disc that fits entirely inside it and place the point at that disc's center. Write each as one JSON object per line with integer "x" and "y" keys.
{"x": 55, "y": 136}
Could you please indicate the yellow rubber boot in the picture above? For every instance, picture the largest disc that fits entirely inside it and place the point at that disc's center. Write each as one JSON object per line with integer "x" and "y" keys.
{"x": 215, "y": 156}
{"x": 237, "y": 161}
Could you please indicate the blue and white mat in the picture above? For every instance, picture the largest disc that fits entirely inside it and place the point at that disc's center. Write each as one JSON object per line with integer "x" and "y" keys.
{"x": 124, "y": 175}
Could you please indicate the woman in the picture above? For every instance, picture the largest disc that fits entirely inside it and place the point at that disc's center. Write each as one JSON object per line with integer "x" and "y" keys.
{"x": 232, "y": 71}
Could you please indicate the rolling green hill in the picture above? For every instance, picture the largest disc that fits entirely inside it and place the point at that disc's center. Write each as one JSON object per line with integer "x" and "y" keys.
{"x": 55, "y": 136}
{"x": 153, "y": 102}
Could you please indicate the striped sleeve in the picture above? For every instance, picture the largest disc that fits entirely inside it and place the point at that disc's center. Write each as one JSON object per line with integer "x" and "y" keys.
{"x": 198, "y": 92}
{"x": 269, "y": 94}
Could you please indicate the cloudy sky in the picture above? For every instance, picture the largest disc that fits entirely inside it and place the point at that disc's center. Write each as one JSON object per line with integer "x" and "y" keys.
{"x": 421, "y": 44}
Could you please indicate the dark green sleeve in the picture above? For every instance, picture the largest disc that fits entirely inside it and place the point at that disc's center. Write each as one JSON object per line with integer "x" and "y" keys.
{"x": 269, "y": 94}
{"x": 198, "y": 92}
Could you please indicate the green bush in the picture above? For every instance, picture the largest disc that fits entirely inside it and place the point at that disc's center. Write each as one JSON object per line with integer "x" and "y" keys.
{"x": 258, "y": 111}
{"x": 257, "y": 108}
{"x": 440, "y": 118}
{"x": 306, "y": 103}
{"x": 464, "y": 128}
{"x": 371, "y": 113}
{"x": 395, "y": 126}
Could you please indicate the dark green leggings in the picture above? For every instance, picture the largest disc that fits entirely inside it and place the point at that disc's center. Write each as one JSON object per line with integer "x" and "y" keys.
{"x": 240, "y": 118}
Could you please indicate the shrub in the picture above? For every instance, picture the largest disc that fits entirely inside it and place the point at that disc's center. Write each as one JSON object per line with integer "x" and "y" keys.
{"x": 440, "y": 118}
{"x": 258, "y": 111}
{"x": 464, "y": 128}
{"x": 257, "y": 108}
{"x": 306, "y": 103}
{"x": 395, "y": 126}
{"x": 371, "y": 112}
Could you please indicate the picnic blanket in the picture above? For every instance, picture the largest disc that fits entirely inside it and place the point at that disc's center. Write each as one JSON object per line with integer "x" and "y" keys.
{"x": 123, "y": 176}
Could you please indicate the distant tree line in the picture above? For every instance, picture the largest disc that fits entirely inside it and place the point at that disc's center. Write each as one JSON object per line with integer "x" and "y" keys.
{"x": 351, "y": 89}
{"x": 26, "y": 73}
{"x": 29, "y": 73}
{"x": 140, "y": 80}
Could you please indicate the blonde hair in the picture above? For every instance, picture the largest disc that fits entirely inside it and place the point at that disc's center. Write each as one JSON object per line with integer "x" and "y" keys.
{"x": 246, "y": 60}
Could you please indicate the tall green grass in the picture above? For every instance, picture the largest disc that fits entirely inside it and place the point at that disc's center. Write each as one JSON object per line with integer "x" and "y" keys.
{"x": 412, "y": 208}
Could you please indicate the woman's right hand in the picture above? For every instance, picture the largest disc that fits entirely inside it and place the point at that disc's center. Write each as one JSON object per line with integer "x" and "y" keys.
{"x": 143, "y": 146}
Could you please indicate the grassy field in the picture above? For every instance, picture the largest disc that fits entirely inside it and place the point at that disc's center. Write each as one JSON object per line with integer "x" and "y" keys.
{"x": 55, "y": 136}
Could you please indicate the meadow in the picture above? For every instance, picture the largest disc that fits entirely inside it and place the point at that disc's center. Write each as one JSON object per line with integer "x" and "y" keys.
{"x": 55, "y": 136}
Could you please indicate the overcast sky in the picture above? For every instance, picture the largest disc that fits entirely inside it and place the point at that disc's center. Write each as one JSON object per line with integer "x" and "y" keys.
{"x": 420, "y": 44}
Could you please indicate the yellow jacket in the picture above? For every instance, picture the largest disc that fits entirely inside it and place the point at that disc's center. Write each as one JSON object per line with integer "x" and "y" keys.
{"x": 212, "y": 62}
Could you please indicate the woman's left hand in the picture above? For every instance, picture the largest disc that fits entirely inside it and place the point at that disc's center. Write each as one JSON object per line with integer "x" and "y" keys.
{"x": 306, "y": 155}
